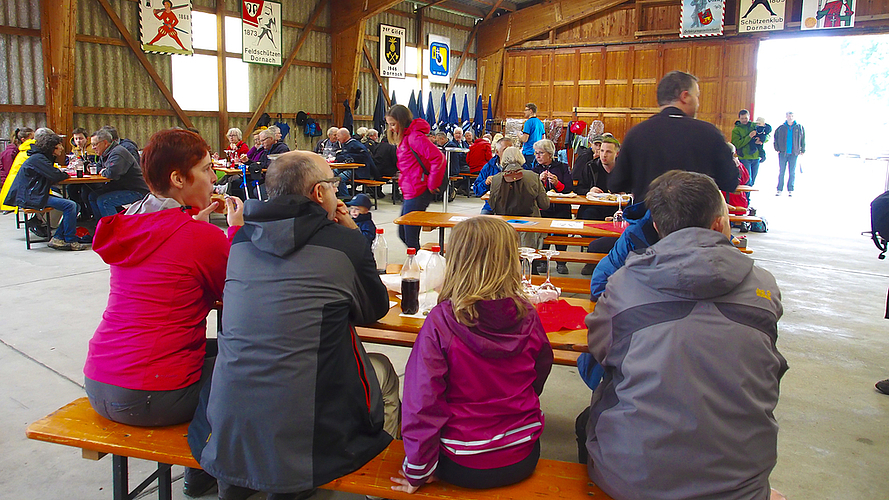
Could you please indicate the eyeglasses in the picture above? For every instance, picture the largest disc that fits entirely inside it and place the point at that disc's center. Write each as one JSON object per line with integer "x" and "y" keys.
{"x": 333, "y": 181}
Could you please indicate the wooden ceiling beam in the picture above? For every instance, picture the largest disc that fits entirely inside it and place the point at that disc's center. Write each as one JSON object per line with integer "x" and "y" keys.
{"x": 283, "y": 71}
{"x": 137, "y": 50}
{"x": 528, "y": 23}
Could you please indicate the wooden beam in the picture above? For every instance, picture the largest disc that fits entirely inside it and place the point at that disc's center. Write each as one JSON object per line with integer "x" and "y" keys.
{"x": 222, "y": 83}
{"x": 456, "y": 7}
{"x": 286, "y": 24}
{"x": 137, "y": 50}
{"x": 319, "y": 7}
{"x": 373, "y": 69}
{"x": 528, "y": 23}
{"x": 466, "y": 48}
{"x": 88, "y": 110}
{"x": 13, "y": 30}
{"x": 22, "y": 108}
{"x": 57, "y": 26}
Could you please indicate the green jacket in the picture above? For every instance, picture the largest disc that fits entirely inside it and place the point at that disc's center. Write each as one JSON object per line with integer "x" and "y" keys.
{"x": 745, "y": 145}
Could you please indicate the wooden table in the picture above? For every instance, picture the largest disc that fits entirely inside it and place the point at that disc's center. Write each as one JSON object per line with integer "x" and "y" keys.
{"x": 77, "y": 181}
{"x": 743, "y": 188}
{"x": 392, "y": 327}
{"x": 443, "y": 220}
{"x": 228, "y": 170}
{"x": 575, "y": 200}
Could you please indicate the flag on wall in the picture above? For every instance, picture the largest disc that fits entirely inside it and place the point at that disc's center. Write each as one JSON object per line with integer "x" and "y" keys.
{"x": 391, "y": 51}
{"x": 443, "y": 114}
{"x": 165, "y": 27}
{"x": 261, "y": 32}
{"x": 702, "y": 18}
{"x": 489, "y": 123}
{"x": 761, "y": 15}
{"x": 464, "y": 116}
{"x": 478, "y": 124}
{"x": 430, "y": 113}
{"x": 421, "y": 113}
{"x": 823, "y": 14}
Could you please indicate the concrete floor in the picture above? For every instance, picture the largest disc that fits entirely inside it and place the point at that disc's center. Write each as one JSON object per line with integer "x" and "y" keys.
{"x": 833, "y": 442}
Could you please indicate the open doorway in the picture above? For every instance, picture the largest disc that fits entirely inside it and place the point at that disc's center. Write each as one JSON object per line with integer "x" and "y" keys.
{"x": 838, "y": 89}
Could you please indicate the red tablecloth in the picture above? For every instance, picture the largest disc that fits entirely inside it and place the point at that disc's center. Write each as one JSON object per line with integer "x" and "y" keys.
{"x": 559, "y": 315}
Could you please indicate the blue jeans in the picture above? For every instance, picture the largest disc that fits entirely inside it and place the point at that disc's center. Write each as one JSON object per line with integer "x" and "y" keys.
{"x": 67, "y": 229}
{"x": 786, "y": 161}
{"x": 106, "y": 204}
{"x": 410, "y": 235}
{"x": 345, "y": 180}
{"x": 753, "y": 168}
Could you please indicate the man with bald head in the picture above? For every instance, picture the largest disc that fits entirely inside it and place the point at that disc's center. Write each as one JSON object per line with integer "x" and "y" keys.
{"x": 352, "y": 151}
{"x": 295, "y": 401}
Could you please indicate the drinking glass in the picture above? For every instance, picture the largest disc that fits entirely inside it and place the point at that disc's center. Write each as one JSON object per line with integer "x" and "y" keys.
{"x": 548, "y": 285}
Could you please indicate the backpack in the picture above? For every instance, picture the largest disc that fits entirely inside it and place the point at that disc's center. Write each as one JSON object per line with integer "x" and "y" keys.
{"x": 760, "y": 227}
{"x": 879, "y": 223}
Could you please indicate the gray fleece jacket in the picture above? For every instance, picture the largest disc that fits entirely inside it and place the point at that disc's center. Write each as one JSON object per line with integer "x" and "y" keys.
{"x": 686, "y": 333}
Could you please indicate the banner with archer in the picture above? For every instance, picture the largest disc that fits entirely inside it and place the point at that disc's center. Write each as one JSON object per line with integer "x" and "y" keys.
{"x": 166, "y": 26}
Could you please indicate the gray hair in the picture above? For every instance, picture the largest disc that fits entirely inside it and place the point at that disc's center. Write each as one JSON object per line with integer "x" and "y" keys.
{"x": 332, "y": 130}
{"x": 292, "y": 173}
{"x": 512, "y": 156}
{"x": 362, "y": 131}
{"x": 237, "y": 132}
{"x": 103, "y": 134}
{"x": 458, "y": 128}
{"x": 373, "y": 132}
{"x": 267, "y": 134}
{"x": 679, "y": 199}
{"x": 503, "y": 143}
{"x": 42, "y": 131}
{"x": 275, "y": 130}
{"x": 546, "y": 146}
{"x": 672, "y": 85}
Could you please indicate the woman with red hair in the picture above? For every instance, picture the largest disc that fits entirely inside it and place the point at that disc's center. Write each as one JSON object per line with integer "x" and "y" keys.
{"x": 150, "y": 355}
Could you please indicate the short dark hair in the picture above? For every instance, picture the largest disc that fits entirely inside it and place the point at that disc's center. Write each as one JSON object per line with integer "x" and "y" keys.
{"x": 743, "y": 112}
{"x": 46, "y": 144}
{"x": 80, "y": 130}
{"x": 532, "y": 107}
{"x": 291, "y": 173}
{"x": 680, "y": 199}
{"x": 168, "y": 151}
{"x": 113, "y": 131}
{"x": 672, "y": 85}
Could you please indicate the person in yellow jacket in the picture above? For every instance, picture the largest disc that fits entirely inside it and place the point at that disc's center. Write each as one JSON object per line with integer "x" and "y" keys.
{"x": 16, "y": 165}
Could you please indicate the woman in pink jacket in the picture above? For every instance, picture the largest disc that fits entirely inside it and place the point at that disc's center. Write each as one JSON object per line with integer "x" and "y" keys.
{"x": 149, "y": 355}
{"x": 420, "y": 163}
{"x": 470, "y": 413}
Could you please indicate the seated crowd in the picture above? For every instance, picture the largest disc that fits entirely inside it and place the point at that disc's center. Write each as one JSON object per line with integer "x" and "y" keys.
{"x": 679, "y": 321}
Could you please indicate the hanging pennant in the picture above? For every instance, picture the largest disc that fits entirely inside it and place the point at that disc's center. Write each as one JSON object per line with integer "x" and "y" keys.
{"x": 761, "y": 15}
{"x": 702, "y": 18}
{"x": 165, "y": 27}
{"x": 391, "y": 51}
{"x": 824, "y": 14}
{"x": 261, "y": 32}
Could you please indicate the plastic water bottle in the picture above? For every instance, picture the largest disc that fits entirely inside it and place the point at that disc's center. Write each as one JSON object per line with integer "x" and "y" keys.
{"x": 381, "y": 251}
{"x": 435, "y": 273}
{"x": 410, "y": 284}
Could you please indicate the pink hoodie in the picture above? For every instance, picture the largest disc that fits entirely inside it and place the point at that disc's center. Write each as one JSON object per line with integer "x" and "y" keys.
{"x": 413, "y": 181}
{"x": 167, "y": 270}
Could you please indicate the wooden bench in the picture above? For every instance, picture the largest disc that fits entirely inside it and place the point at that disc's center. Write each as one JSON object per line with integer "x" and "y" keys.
{"x": 78, "y": 425}
{"x": 21, "y": 220}
{"x": 470, "y": 179}
{"x": 394, "y": 183}
{"x": 568, "y": 240}
{"x": 370, "y": 183}
{"x": 568, "y": 285}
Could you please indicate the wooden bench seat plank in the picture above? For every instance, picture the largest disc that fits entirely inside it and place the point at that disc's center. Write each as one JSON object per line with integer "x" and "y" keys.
{"x": 77, "y": 424}
{"x": 551, "y": 479}
{"x": 568, "y": 285}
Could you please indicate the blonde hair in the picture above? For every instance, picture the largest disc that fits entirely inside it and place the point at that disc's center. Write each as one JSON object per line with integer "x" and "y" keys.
{"x": 512, "y": 156}
{"x": 483, "y": 264}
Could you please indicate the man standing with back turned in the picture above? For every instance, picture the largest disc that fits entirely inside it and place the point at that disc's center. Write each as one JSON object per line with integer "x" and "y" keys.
{"x": 686, "y": 332}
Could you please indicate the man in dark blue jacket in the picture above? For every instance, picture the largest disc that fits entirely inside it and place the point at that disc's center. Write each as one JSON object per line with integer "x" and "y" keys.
{"x": 352, "y": 151}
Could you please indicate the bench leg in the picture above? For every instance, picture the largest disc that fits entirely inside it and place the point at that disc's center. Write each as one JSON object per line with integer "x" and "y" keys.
{"x": 164, "y": 482}
{"x": 120, "y": 480}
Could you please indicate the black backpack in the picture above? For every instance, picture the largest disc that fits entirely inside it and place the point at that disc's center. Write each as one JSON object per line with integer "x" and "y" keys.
{"x": 879, "y": 222}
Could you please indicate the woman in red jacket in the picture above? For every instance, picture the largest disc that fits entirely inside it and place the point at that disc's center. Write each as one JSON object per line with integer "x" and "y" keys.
{"x": 150, "y": 355}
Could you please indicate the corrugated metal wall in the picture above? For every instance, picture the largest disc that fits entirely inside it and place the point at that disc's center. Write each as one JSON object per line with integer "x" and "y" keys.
{"x": 21, "y": 74}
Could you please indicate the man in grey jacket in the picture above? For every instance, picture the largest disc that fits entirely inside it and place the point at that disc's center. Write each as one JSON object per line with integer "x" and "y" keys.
{"x": 686, "y": 332}
{"x": 117, "y": 163}
{"x": 295, "y": 401}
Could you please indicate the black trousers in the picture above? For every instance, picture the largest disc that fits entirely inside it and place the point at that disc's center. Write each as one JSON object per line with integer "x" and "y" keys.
{"x": 479, "y": 479}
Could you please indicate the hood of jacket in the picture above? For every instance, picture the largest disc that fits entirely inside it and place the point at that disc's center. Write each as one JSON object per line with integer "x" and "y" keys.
{"x": 127, "y": 239}
{"x": 635, "y": 211}
{"x": 692, "y": 263}
{"x": 282, "y": 225}
{"x": 499, "y": 332}
{"x": 26, "y": 146}
{"x": 420, "y": 125}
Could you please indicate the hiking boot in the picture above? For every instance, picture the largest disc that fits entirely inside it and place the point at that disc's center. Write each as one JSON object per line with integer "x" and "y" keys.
{"x": 883, "y": 386}
{"x": 78, "y": 246}
{"x": 58, "y": 244}
{"x": 197, "y": 482}
{"x": 37, "y": 227}
{"x": 587, "y": 269}
{"x": 562, "y": 268}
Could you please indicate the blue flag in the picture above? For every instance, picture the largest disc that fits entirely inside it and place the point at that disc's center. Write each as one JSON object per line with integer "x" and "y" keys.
{"x": 477, "y": 122}
{"x": 489, "y": 123}
{"x": 464, "y": 117}
{"x": 430, "y": 113}
{"x": 412, "y": 105}
{"x": 453, "y": 121}
{"x": 392, "y": 101}
{"x": 421, "y": 113}
{"x": 443, "y": 114}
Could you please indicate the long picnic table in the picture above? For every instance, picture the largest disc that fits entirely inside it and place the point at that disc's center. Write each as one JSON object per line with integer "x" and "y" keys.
{"x": 444, "y": 220}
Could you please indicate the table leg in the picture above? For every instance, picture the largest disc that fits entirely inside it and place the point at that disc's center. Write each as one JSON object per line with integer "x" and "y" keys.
{"x": 441, "y": 239}
{"x": 120, "y": 489}
{"x": 447, "y": 183}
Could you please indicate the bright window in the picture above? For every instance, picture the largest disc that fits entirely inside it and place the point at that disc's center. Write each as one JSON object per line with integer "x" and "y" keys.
{"x": 233, "y": 34}
{"x": 195, "y": 82}
{"x": 203, "y": 30}
{"x": 237, "y": 85}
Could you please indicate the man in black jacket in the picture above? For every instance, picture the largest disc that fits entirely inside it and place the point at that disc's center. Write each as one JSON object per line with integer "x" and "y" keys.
{"x": 673, "y": 140}
{"x": 118, "y": 164}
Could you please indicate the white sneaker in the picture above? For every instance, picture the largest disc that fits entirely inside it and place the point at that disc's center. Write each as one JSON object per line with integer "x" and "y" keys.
{"x": 778, "y": 193}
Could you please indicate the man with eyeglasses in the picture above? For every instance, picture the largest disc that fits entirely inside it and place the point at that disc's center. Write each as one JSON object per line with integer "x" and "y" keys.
{"x": 270, "y": 146}
{"x": 295, "y": 401}
{"x": 126, "y": 185}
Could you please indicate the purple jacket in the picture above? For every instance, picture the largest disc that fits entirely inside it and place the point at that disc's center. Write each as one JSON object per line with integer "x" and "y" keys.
{"x": 254, "y": 153}
{"x": 472, "y": 393}
{"x": 6, "y": 159}
{"x": 413, "y": 181}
